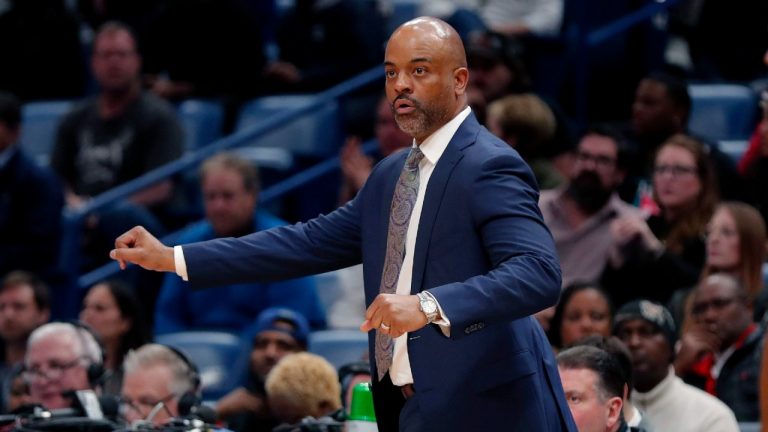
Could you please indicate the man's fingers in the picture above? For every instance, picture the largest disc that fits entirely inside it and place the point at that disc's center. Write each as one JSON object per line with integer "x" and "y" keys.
{"x": 130, "y": 237}
{"x": 123, "y": 255}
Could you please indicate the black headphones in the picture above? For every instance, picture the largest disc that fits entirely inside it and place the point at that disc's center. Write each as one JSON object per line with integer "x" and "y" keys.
{"x": 190, "y": 400}
{"x": 96, "y": 371}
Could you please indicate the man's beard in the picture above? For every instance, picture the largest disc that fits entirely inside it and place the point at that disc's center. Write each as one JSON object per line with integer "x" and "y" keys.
{"x": 588, "y": 192}
{"x": 422, "y": 119}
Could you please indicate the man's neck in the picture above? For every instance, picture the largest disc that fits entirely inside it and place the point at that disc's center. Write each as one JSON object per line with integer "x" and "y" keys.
{"x": 644, "y": 384}
{"x": 113, "y": 103}
{"x": 575, "y": 216}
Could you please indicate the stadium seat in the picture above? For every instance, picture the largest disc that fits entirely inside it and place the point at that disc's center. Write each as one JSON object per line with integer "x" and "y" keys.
{"x": 215, "y": 353}
{"x": 39, "y": 125}
{"x": 723, "y": 111}
{"x": 339, "y": 347}
{"x": 202, "y": 122}
{"x": 749, "y": 426}
{"x": 315, "y": 134}
{"x": 733, "y": 148}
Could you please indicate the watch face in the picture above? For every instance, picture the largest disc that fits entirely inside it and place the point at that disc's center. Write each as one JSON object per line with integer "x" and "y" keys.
{"x": 428, "y": 306}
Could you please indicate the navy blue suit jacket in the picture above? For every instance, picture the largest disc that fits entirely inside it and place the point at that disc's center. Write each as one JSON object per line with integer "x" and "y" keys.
{"x": 482, "y": 250}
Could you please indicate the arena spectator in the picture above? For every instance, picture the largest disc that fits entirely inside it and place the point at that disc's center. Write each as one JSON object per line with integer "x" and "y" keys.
{"x": 720, "y": 352}
{"x": 579, "y": 213}
{"x": 665, "y": 253}
{"x": 112, "y": 310}
{"x": 24, "y": 306}
{"x": 635, "y": 420}
{"x": 31, "y": 199}
{"x": 58, "y": 360}
{"x": 159, "y": 384}
{"x": 736, "y": 240}
{"x": 594, "y": 388}
{"x": 584, "y": 310}
{"x": 276, "y": 333}
{"x": 661, "y": 109}
{"x": 669, "y": 403}
{"x": 527, "y": 124}
{"x": 230, "y": 187}
{"x": 115, "y": 137}
{"x": 303, "y": 385}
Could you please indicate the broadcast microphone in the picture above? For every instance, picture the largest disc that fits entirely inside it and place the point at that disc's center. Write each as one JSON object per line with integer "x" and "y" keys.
{"x": 85, "y": 403}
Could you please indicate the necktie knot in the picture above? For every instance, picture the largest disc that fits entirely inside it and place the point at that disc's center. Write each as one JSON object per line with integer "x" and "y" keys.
{"x": 414, "y": 158}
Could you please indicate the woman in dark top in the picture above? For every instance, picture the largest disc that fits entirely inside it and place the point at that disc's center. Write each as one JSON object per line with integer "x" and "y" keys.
{"x": 112, "y": 311}
{"x": 653, "y": 258}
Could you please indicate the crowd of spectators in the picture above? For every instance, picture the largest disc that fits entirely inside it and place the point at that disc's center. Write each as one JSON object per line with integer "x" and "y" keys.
{"x": 661, "y": 235}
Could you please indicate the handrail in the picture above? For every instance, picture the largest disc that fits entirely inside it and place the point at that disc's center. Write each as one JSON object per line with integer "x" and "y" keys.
{"x": 72, "y": 218}
{"x": 268, "y": 195}
{"x": 604, "y": 33}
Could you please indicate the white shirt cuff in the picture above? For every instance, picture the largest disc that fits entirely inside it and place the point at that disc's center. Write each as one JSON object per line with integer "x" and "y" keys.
{"x": 181, "y": 265}
{"x": 443, "y": 322}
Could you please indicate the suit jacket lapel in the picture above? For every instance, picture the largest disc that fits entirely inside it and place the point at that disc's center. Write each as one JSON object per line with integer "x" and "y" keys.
{"x": 465, "y": 135}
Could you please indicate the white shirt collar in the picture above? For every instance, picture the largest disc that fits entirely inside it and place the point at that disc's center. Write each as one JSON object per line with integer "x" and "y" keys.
{"x": 435, "y": 144}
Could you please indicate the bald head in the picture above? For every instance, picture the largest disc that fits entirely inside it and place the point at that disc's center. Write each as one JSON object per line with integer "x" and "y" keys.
{"x": 441, "y": 33}
{"x": 426, "y": 71}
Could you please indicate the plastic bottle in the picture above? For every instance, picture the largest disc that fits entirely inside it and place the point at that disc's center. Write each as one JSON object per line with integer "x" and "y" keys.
{"x": 362, "y": 417}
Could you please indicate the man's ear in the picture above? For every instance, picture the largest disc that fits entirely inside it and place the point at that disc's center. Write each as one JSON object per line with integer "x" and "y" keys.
{"x": 614, "y": 406}
{"x": 460, "y": 80}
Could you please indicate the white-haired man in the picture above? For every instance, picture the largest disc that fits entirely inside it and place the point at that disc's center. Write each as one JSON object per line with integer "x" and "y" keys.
{"x": 58, "y": 359}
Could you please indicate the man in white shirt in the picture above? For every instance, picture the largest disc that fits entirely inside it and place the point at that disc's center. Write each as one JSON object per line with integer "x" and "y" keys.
{"x": 648, "y": 330}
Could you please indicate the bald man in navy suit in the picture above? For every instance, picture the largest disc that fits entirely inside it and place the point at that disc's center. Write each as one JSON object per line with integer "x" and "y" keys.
{"x": 453, "y": 293}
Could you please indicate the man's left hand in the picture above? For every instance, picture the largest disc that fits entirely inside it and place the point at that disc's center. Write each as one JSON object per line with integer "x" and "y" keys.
{"x": 394, "y": 314}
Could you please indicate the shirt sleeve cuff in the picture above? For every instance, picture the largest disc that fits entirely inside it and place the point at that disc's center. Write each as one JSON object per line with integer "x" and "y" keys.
{"x": 443, "y": 322}
{"x": 181, "y": 265}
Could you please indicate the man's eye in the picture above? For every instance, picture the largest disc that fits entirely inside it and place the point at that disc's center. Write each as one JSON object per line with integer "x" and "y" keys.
{"x": 419, "y": 70}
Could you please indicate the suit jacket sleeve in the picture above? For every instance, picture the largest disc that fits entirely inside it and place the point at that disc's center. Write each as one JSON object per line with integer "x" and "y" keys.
{"x": 525, "y": 274}
{"x": 326, "y": 243}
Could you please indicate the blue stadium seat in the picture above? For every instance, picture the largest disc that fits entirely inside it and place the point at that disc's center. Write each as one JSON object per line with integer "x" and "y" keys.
{"x": 215, "y": 353}
{"x": 316, "y": 134}
{"x": 723, "y": 111}
{"x": 39, "y": 125}
{"x": 339, "y": 347}
{"x": 733, "y": 148}
{"x": 749, "y": 426}
{"x": 202, "y": 122}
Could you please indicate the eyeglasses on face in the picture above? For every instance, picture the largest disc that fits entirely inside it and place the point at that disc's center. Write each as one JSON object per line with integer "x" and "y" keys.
{"x": 142, "y": 407}
{"x": 674, "y": 170}
{"x": 602, "y": 161}
{"x": 53, "y": 370}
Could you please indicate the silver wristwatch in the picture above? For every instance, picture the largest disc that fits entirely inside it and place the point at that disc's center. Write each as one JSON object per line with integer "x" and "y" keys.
{"x": 428, "y": 305}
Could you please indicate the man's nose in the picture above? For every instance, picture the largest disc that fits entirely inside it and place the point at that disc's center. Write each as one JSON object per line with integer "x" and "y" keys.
{"x": 403, "y": 83}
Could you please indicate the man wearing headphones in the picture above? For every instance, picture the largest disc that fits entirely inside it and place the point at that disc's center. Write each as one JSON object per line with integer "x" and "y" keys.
{"x": 61, "y": 357}
{"x": 159, "y": 383}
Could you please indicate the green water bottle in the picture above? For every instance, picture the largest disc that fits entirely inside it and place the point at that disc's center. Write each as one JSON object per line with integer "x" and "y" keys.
{"x": 362, "y": 418}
